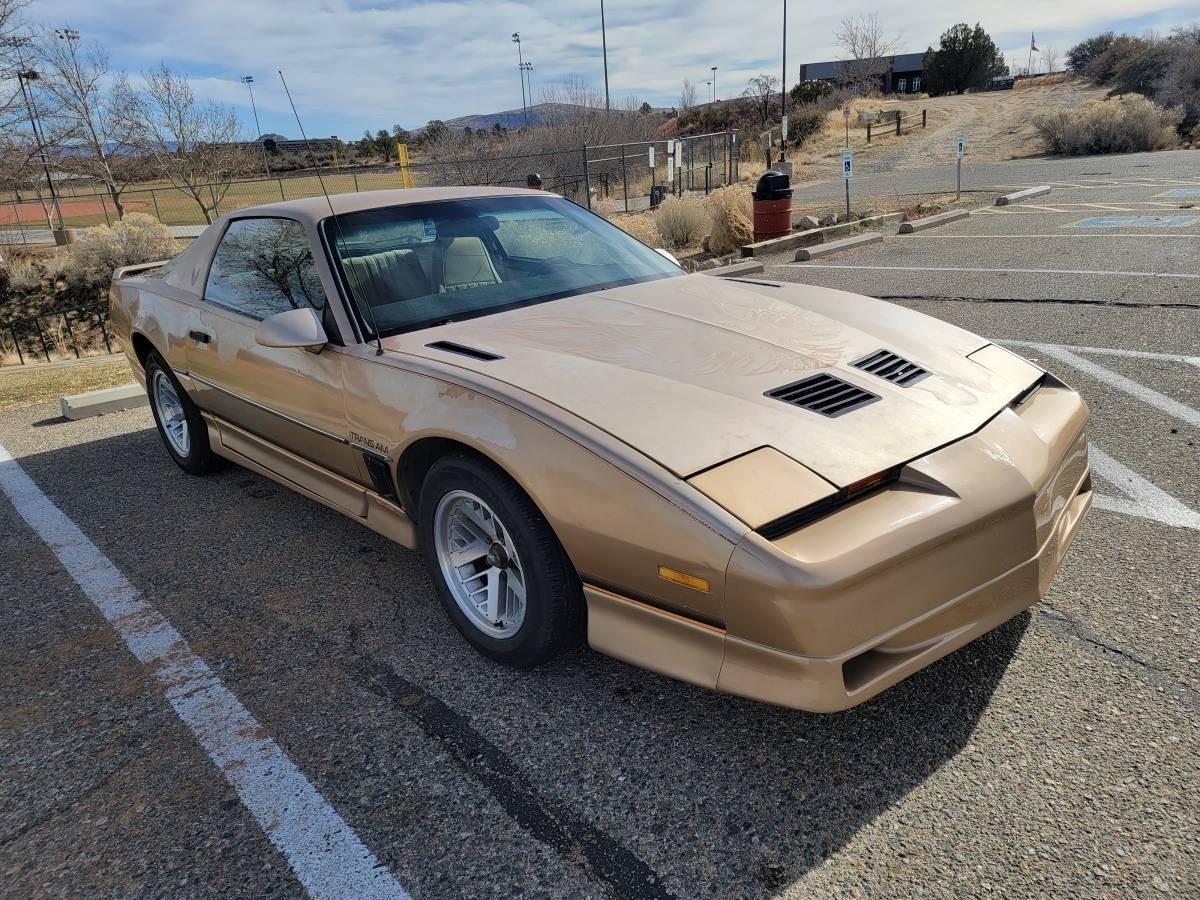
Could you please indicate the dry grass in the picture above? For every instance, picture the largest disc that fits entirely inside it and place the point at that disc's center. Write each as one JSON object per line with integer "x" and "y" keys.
{"x": 731, "y": 218}
{"x": 682, "y": 220}
{"x": 640, "y": 226}
{"x": 35, "y": 385}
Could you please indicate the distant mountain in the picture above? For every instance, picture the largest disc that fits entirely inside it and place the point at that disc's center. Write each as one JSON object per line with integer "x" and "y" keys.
{"x": 539, "y": 114}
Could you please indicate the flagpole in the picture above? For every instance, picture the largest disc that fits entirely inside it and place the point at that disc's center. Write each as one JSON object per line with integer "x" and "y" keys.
{"x": 1029, "y": 67}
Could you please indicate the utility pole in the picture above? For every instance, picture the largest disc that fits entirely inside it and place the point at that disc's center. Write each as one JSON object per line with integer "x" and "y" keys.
{"x": 604, "y": 45}
{"x": 521, "y": 74}
{"x": 248, "y": 81}
{"x": 24, "y": 76}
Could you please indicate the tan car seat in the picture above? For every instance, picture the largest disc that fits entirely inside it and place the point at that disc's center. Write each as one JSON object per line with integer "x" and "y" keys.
{"x": 464, "y": 263}
{"x": 386, "y": 277}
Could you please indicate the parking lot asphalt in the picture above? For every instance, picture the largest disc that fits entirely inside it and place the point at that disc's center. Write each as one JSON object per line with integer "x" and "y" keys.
{"x": 1058, "y": 755}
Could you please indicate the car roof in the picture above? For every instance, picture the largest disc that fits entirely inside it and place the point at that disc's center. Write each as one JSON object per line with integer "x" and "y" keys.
{"x": 311, "y": 210}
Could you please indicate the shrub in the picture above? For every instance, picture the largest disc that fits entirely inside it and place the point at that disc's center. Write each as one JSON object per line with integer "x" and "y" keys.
{"x": 137, "y": 238}
{"x": 1122, "y": 125}
{"x": 731, "y": 217}
{"x": 23, "y": 275}
{"x": 805, "y": 120}
{"x": 810, "y": 91}
{"x": 1180, "y": 86}
{"x": 640, "y": 226}
{"x": 1138, "y": 72}
{"x": 1079, "y": 56}
{"x": 682, "y": 221}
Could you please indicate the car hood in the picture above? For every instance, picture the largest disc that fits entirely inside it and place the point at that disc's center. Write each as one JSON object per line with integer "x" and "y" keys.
{"x": 677, "y": 368}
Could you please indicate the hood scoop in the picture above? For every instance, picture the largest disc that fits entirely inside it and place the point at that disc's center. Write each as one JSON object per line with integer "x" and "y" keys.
{"x": 824, "y": 394}
{"x": 464, "y": 350}
{"x": 891, "y": 367}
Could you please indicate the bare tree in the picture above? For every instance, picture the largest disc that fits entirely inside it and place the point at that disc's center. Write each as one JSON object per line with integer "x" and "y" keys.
{"x": 762, "y": 91}
{"x": 93, "y": 118}
{"x": 1050, "y": 58}
{"x": 868, "y": 50}
{"x": 194, "y": 144}
{"x": 687, "y": 96}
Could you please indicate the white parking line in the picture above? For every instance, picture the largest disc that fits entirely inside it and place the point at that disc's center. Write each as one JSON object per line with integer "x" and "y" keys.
{"x": 1018, "y": 271}
{"x": 1144, "y": 499}
{"x": 1149, "y": 396}
{"x": 1114, "y": 351}
{"x": 326, "y": 856}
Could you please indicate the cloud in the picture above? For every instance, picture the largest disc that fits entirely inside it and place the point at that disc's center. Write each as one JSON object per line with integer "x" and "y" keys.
{"x": 353, "y": 65}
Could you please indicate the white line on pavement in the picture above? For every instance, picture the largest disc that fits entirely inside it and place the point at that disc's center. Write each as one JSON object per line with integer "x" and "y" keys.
{"x": 1018, "y": 271}
{"x": 1146, "y": 500}
{"x": 1113, "y": 351}
{"x": 326, "y": 856}
{"x": 1149, "y": 396}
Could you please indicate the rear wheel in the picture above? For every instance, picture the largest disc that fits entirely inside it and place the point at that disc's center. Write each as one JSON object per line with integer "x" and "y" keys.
{"x": 500, "y": 573}
{"x": 179, "y": 422}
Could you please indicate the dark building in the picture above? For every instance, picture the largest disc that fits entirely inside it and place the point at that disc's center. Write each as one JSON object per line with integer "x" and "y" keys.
{"x": 904, "y": 75}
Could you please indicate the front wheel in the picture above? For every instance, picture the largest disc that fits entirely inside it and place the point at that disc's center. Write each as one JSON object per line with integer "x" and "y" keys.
{"x": 178, "y": 419}
{"x": 500, "y": 572}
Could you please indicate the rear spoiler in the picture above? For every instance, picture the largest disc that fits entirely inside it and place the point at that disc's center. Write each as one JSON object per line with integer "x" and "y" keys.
{"x": 126, "y": 271}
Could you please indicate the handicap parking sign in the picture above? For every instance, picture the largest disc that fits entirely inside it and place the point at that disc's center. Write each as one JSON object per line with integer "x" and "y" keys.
{"x": 847, "y": 164}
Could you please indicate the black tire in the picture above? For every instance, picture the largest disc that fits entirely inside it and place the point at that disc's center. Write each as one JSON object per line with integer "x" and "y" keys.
{"x": 555, "y": 613}
{"x": 199, "y": 458}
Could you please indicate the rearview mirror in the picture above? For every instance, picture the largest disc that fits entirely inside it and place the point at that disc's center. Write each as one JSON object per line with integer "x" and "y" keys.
{"x": 292, "y": 328}
{"x": 668, "y": 254}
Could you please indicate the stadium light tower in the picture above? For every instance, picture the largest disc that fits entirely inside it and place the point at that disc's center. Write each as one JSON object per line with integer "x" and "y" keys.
{"x": 248, "y": 81}
{"x": 521, "y": 74}
{"x": 24, "y": 78}
{"x": 527, "y": 68}
{"x": 604, "y": 45}
{"x": 714, "y": 82}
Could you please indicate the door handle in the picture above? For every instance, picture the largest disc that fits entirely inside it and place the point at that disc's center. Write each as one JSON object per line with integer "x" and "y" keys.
{"x": 200, "y": 337}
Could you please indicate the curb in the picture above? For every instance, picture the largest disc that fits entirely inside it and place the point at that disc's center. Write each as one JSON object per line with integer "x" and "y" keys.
{"x": 105, "y": 400}
{"x": 1018, "y": 196}
{"x": 816, "y": 235}
{"x": 933, "y": 221}
{"x": 807, "y": 253}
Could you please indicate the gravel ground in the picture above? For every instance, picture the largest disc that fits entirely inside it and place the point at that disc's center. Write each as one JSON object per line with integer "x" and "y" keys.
{"x": 1057, "y": 755}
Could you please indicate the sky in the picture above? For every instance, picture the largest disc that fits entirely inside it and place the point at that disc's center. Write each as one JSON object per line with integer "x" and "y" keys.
{"x": 369, "y": 64}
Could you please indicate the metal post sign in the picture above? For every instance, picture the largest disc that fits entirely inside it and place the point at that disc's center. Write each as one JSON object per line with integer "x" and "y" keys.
{"x": 846, "y": 110}
{"x": 962, "y": 143}
{"x": 783, "y": 128}
{"x": 847, "y": 164}
{"x": 651, "y": 156}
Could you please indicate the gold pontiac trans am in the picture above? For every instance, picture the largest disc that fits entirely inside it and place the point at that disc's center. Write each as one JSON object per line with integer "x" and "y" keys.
{"x": 789, "y": 493}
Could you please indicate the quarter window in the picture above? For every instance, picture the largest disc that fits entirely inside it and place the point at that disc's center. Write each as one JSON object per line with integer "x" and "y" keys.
{"x": 264, "y": 266}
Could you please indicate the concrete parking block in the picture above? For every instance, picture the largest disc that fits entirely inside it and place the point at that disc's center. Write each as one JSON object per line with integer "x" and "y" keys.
{"x": 807, "y": 253}
{"x": 736, "y": 270}
{"x": 105, "y": 400}
{"x": 1018, "y": 196}
{"x": 816, "y": 235}
{"x": 933, "y": 221}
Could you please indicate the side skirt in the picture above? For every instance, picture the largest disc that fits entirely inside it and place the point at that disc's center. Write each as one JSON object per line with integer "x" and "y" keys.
{"x": 353, "y": 500}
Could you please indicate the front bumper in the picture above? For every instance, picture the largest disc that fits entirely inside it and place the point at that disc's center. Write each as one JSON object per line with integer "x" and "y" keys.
{"x": 969, "y": 537}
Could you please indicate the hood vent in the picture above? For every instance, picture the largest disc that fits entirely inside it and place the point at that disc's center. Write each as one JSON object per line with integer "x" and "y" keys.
{"x": 464, "y": 350}
{"x": 823, "y": 394}
{"x": 887, "y": 365}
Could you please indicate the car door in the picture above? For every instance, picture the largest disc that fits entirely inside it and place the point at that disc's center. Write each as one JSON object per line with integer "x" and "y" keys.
{"x": 291, "y": 397}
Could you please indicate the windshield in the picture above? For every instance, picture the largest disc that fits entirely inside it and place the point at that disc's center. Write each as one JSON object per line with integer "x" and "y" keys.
{"x": 423, "y": 264}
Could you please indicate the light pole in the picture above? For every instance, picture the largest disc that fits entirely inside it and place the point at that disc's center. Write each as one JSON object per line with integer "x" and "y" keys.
{"x": 521, "y": 74}
{"x": 248, "y": 81}
{"x": 604, "y": 46}
{"x": 714, "y": 71}
{"x": 24, "y": 76}
{"x": 708, "y": 84}
{"x": 783, "y": 84}
{"x": 526, "y": 69}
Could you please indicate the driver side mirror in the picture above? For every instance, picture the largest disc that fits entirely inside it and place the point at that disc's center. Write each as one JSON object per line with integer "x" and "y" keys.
{"x": 292, "y": 328}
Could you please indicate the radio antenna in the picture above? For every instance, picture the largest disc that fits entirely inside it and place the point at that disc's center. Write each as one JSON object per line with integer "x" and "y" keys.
{"x": 364, "y": 304}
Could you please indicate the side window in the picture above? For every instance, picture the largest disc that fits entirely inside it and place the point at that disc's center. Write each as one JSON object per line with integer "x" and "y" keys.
{"x": 903, "y": 85}
{"x": 263, "y": 267}
{"x": 916, "y": 84}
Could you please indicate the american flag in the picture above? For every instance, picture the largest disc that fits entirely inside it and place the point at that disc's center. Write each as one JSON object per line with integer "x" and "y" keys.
{"x": 1032, "y": 42}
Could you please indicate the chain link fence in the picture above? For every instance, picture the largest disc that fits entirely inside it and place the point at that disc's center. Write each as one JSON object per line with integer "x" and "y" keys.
{"x": 622, "y": 175}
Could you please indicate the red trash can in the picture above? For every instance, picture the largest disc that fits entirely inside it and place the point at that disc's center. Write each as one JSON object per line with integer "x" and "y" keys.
{"x": 772, "y": 206}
